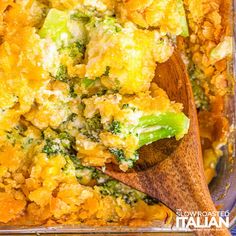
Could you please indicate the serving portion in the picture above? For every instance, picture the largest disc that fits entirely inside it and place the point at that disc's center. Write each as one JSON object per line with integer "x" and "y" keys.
{"x": 118, "y": 112}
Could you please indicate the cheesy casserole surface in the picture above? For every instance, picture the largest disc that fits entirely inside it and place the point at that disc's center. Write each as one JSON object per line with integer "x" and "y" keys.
{"x": 76, "y": 92}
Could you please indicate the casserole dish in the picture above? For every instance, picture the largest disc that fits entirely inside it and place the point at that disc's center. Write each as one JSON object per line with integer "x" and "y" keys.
{"x": 222, "y": 188}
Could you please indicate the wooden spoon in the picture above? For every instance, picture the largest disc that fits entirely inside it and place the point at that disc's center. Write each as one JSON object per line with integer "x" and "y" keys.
{"x": 168, "y": 170}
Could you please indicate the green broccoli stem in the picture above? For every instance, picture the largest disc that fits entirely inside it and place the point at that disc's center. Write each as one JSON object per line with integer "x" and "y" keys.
{"x": 164, "y": 125}
{"x": 150, "y": 137}
{"x": 183, "y": 18}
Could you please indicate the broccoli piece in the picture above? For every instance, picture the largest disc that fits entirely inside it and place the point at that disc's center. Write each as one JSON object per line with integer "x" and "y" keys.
{"x": 92, "y": 128}
{"x": 84, "y": 174}
{"x": 115, "y": 127}
{"x": 110, "y": 23}
{"x": 125, "y": 106}
{"x": 128, "y": 106}
{"x": 196, "y": 78}
{"x": 73, "y": 94}
{"x": 51, "y": 147}
{"x": 106, "y": 73}
{"x": 154, "y": 127}
{"x": 139, "y": 128}
{"x": 76, "y": 162}
{"x": 118, "y": 190}
{"x": 164, "y": 125}
{"x": 58, "y": 143}
{"x": 74, "y": 50}
{"x": 92, "y": 87}
{"x": 55, "y": 25}
{"x": 17, "y": 135}
{"x": 69, "y": 36}
{"x": 107, "y": 24}
{"x": 72, "y": 117}
{"x": 62, "y": 29}
{"x": 149, "y": 129}
{"x": 86, "y": 82}
{"x": 62, "y": 73}
{"x": 122, "y": 159}
{"x": 183, "y": 18}
{"x": 94, "y": 84}
{"x": 119, "y": 153}
{"x": 80, "y": 16}
{"x": 73, "y": 167}
{"x": 94, "y": 123}
{"x": 200, "y": 98}
{"x": 80, "y": 47}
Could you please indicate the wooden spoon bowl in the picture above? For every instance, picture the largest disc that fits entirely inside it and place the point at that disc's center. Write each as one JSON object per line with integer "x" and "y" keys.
{"x": 169, "y": 170}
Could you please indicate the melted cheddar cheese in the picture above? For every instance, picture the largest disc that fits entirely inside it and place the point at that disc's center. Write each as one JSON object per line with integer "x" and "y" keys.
{"x": 42, "y": 180}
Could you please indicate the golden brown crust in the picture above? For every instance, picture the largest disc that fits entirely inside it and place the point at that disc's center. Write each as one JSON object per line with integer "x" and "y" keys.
{"x": 210, "y": 22}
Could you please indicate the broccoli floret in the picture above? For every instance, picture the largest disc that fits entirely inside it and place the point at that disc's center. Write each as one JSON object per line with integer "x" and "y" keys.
{"x": 115, "y": 127}
{"x": 60, "y": 27}
{"x": 86, "y": 82}
{"x": 196, "y": 78}
{"x": 80, "y": 16}
{"x": 62, "y": 73}
{"x": 92, "y": 87}
{"x": 106, "y": 73}
{"x": 128, "y": 106}
{"x": 92, "y": 128}
{"x": 125, "y": 106}
{"x": 73, "y": 94}
{"x": 99, "y": 176}
{"x": 107, "y": 24}
{"x": 76, "y": 161}
{"x": 72, "y": 117}
{"x": 110, "y": 23}
{"x": 18, "y": 135}
{"x": 200, "y": 98}
{"x": 73, "y": 167}
{"x": 51, "y": 147}
{"x": 74, "y": 50}
{"x": 55, "y": 25}
{"x": 84, "y": 174}
{"x": 118, "y": 190}
{"x": 118, "y": 153}
{"x": 94, "y": 123}
{"x": 91, "y": 84}
{"x": 122, "y": 159}
{"x": 150, "y": 129}
{"x": 58, "y": 143}
{"x": 81, "y": 47}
